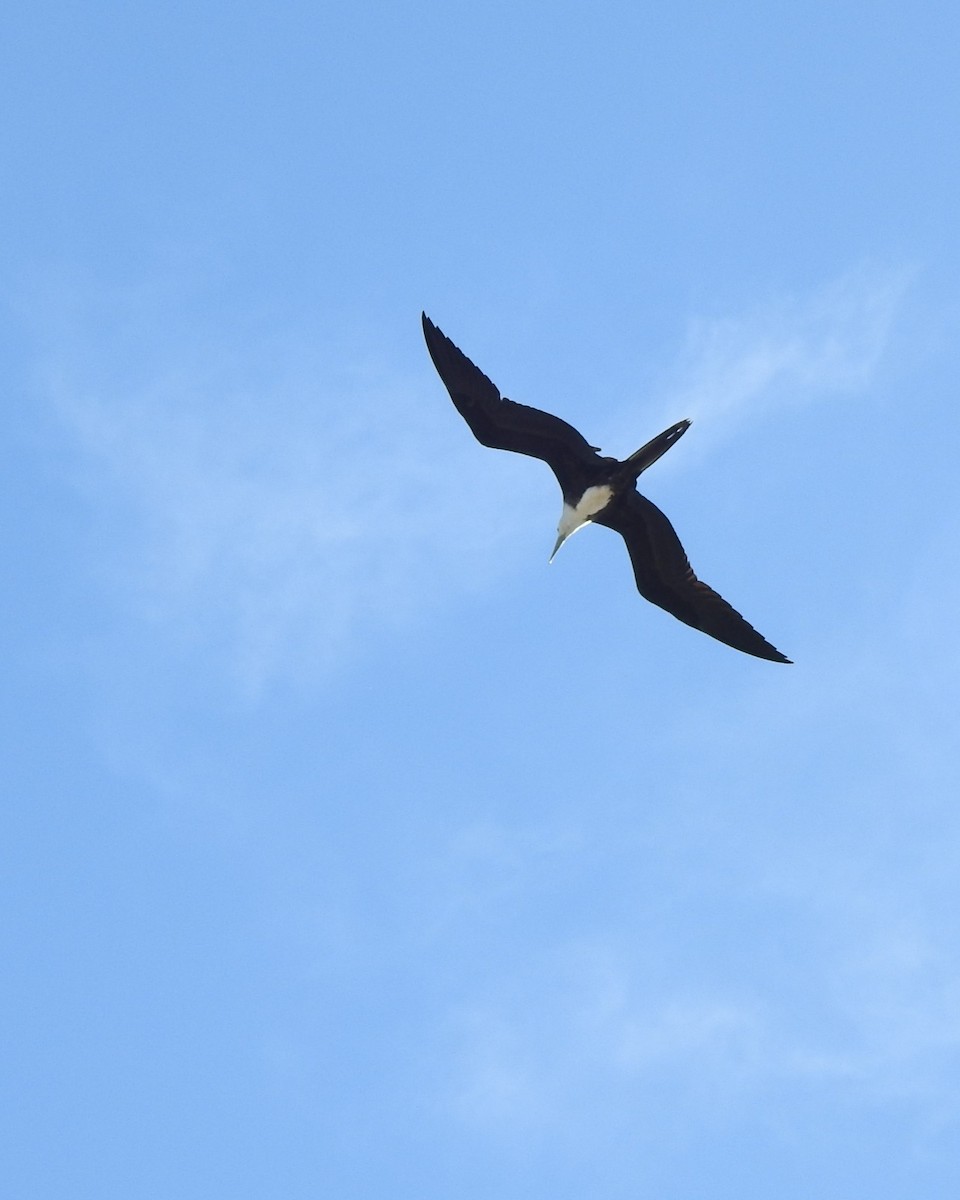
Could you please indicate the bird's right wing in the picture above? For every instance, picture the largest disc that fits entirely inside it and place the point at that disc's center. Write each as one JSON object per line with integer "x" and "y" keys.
{"x": 500, "y": 423}
{"x": 665, "y": 578}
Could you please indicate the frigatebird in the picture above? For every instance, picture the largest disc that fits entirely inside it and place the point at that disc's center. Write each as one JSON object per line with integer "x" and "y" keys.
{"x": 597, "y": 489}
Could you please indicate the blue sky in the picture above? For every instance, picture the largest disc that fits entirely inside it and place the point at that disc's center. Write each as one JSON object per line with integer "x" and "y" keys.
{"x": 347, "y": 849}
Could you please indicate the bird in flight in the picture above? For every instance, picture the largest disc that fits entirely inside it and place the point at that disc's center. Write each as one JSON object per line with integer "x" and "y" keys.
{"x": 597, "y": 489}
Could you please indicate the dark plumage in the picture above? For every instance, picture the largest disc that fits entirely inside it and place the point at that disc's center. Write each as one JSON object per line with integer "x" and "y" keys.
{"x": 599, "y": 489}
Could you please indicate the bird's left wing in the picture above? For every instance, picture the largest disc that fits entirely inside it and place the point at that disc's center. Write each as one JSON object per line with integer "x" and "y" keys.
{"x": 500, "y": 423}
{"x": 665, "y": 578}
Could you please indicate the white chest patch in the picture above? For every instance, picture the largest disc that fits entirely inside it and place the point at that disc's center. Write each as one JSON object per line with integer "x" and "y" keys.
{"x": 593, "y": 500}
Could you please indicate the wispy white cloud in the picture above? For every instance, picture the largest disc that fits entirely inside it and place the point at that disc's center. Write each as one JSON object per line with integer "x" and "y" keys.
{"x": 499, "y": 1084}
{"x": 275, "y": 502}
{"x": 609, "y": 1042}
{"x": 847, "y": 846}
{"x": 794, "y": 348}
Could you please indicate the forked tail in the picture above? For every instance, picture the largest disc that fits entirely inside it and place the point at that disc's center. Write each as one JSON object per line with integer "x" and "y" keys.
{"x": 647, "y": 455}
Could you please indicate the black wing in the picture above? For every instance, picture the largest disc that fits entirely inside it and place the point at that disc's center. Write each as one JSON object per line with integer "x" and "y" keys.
{"x": 665, "y": 577}
{"x": 503, "y": 424}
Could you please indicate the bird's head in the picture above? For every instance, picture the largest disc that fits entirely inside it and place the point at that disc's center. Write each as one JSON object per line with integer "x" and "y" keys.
{"x": 570, "y": 521}
{"x": 574, "y": 516}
